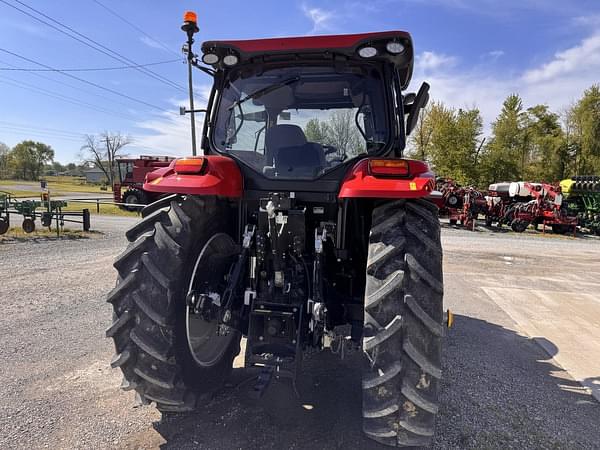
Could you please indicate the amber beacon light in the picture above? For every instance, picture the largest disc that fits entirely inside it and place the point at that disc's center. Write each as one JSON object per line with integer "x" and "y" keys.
{"x": 190, "y": 20}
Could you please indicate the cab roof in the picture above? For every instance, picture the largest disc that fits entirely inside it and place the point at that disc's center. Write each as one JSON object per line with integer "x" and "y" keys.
{"x": 292, "y": 48}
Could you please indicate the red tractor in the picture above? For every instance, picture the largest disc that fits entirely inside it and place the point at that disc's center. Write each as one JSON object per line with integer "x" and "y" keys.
{"x": 132, "y": 172}
{"x": 301, "y": 228}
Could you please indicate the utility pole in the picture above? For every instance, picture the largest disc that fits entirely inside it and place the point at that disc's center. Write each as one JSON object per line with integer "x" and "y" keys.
{"x": 110, "y": 162}
{"x": 190, "y": 26}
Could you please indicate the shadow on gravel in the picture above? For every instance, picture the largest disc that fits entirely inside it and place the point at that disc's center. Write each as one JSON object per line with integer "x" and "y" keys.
{"x": 500, "y": 390}
{"x": 480, "y": 228}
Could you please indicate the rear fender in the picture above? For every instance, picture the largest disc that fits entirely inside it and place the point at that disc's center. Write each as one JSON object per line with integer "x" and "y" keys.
{"x": 361, "y": 183}
{"x": 219, "y": 176}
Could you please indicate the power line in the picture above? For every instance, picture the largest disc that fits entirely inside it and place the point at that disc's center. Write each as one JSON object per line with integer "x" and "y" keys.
{"x": 69, "y": 134}
{"x": 95, "y": 45}
{"x": 77, "y": 88}
{"x": 66, "y": 74}
{"x": 134, "y": 26}
{"x": 26, "y": 127}
{"x": 42, "y": 134}
{"x": 90, "y": 69}
{"x": 103, "y": 49}
{"x": 45, "y": 135}
{"x": 64, "y": 98}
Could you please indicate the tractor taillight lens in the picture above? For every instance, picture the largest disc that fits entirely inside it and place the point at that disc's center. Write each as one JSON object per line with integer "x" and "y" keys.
{"x": 190, "y": 165}
{"x": 388, "y": 167}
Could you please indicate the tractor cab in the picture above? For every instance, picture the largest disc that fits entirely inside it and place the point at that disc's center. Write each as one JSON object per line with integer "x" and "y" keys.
{"x": 125, "y": 170}
{"x": 133, "y": 170}
{"x": 298, "y": 108}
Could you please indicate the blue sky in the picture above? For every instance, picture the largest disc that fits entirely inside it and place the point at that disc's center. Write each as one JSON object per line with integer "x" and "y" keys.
{"x": 473, "y": 53}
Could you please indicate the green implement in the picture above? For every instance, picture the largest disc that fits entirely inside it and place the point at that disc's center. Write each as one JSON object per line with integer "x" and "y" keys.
{"x": 582, "y": 194}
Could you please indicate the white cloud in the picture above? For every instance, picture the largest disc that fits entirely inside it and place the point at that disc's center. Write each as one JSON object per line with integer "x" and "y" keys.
{"x": 557, "y": 82}
{"x": 495, "y": 54}
{"x": 592, "y": 20}
{"x": 506, "y": 10}
{"x": 150, "y": 42}
{"x": 431, "y": 61}
{"x": 576, "y": 59}
{"x": 169, "y": 133}
{"x": 320, "y": 18}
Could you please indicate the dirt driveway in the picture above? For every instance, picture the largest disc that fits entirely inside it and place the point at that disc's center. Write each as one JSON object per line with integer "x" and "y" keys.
{"x": 501, "y": 388}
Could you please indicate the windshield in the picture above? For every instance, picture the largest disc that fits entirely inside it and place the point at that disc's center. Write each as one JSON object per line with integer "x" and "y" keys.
{"x": 125, "y": 170}
{"x": 303, "y": 121}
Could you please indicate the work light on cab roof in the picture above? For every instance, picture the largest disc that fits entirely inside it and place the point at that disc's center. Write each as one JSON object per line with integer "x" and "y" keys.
{"x": 392, "y": 46}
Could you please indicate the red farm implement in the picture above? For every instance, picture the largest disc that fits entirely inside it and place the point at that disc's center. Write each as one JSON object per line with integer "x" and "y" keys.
{"x": 545, "y": 209}
{"x": 461, "y": 205}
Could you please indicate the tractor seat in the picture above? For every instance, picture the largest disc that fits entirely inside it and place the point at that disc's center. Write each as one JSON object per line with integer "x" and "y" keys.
{"x": 299, "y": 161}
{"x": 292, "y": 155}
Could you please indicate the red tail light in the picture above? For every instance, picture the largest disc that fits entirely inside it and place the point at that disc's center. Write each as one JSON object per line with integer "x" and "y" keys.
{"x": 190, "y": 165}
{"x": 388, "y": 167}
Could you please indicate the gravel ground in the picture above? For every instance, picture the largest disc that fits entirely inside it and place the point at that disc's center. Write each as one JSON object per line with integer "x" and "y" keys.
{"x": 501, "y": 390}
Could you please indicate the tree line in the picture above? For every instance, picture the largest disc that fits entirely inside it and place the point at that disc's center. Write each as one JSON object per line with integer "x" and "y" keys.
{"x": 31, "y": 160}
{"x": 526, "y": 143}
{"x": 25, "y": 161}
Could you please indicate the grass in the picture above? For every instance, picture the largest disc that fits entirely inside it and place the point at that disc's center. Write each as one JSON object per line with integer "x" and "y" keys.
{"x": 18, "y": 193}
{"x": 17, "y": 234}
{"x": 112, "y": 210}
{"x": 58, "y": 185}
{"x": 64, "y": 186}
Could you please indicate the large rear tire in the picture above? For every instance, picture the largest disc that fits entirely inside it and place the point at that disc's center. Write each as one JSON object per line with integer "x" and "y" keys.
{"x": 403, "y": 324}
{"x": 134, "y": 197}
{"x": 150, "y": 310}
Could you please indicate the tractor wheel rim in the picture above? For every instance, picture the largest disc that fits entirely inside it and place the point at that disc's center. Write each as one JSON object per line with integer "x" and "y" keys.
{"x": 28, "y": 226}
{"x": 3, "y": 226}
{"x": 212, "y": 266}
{"x": 131, "y": 198}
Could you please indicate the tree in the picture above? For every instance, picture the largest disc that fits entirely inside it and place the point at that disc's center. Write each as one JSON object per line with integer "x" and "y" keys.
{"x": 339, "y": 131}
{"x": 420, "y": 138}
{"x": 449, "y": 140}
{"x": 584, "y": 118}
{"x": 4, "y": 161}
{"x": 546, "y": 150}
{"x": 505, "y": 154}
{"x": 102, "y": 151}
{"x": 317, "y": 131}
{"x": 28, "y": 159}
{"x": 455, "y": 144}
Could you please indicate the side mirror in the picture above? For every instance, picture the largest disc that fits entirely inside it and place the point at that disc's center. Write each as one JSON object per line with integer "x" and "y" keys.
{"x": 409, "y": 99}
{"x": 419, "y": 102}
